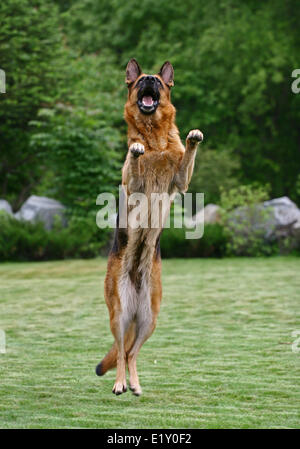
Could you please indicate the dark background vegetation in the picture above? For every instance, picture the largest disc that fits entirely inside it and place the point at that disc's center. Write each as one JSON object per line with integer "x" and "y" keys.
{"x": 62, "y": 128}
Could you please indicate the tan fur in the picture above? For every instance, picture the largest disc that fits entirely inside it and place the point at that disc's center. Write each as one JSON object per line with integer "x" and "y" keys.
{"x": 133, "y": 282}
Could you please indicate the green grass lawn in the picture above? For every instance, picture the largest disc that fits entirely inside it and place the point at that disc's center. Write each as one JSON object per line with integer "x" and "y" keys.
{"x": 221, "y": 356}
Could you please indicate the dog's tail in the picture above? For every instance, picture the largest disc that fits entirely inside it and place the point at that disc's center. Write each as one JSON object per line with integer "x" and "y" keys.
{"x": 110, "y": 360}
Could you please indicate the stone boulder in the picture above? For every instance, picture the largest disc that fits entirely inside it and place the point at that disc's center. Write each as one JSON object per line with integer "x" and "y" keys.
{"x": 4, "y": 205}
{"x": 40, "y": 208}
{"x": 285, "y": 216}
{"x": 277, "y": 220}
{"x": 211, "y": 215}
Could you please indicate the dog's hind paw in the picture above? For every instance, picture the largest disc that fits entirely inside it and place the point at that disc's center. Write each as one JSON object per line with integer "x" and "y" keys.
{"x": 136, "y": 390}
{"x": 137, "y": 149}
{"x": 119, "y": 388}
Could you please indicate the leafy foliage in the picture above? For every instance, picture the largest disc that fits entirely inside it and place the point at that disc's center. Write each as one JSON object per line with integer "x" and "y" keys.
{"x": 21, "y": 240}
{"x": 82, "y": 138}
{"x": 29, "y": 55}
{"x": 62, "y": 131}
{"x": 244, "y": 221}
{"x": 213, "y": 243}
{"x": 233, "y": 64}
{"x": 214, "y": 170}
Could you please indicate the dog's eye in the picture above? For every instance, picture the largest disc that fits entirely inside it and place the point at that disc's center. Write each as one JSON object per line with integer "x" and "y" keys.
{"x": 140, "y": 81}
{"x": 159, "y": 83}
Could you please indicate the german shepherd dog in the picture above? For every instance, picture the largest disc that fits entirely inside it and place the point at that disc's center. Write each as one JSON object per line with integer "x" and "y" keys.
{"x": 156, "y": 162}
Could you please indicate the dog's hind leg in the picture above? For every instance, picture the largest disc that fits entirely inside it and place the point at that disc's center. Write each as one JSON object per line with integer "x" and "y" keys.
{"x": 123, "y": 329}
{"x": 118, "y": 330}
{"x": 143, "y": 331}
{"x": 149, "y": 299}
{"x": 110, "y": 359}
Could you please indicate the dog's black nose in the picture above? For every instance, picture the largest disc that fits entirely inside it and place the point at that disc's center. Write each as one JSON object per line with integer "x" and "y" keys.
{"x": 150, "y": 79}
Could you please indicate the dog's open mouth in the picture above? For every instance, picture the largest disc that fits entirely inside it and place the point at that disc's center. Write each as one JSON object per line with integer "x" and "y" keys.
{"x": 148, "y": 100}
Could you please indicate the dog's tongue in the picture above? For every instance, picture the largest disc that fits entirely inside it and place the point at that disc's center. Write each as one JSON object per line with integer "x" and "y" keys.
{"x": 147, "y": 100}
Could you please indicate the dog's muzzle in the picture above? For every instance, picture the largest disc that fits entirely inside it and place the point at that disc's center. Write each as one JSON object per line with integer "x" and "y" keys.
{"x": 148, "y": 94}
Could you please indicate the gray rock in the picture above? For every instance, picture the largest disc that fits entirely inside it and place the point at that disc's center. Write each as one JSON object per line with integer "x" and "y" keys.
{"x": 274, "y": 220}
{"x": 40, "y": 208}
{"x": 246, "y": 220}
{"x": 211, "y": 215}
{"x": 4, "y": 205}
{"x": 286, "y": 216}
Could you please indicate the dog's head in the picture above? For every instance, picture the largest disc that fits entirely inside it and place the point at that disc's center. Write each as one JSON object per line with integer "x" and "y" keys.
{"x": 148, "y": 93}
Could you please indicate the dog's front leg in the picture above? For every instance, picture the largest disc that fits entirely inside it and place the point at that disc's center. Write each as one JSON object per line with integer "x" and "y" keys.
{"x": 136, "y": 150}
{"x": 131, "y": 170}
{"x": 184, "y": 174}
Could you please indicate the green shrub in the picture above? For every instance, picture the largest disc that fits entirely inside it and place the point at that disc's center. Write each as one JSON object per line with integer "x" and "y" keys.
{"x": 213, "y": 243}
{"x": 246, "y": 222}
{"x": 173, "y": 243}
{"x": 296, "y": 194}
{"x": 31, "y": 55}
{"x": 21, "y": 240}
{"x": 213, "y": 170}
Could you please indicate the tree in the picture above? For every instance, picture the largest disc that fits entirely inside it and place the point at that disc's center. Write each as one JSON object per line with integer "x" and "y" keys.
{"x": 233, "y": 62}
{"x": 84, "y": 137}
{"x": 30, "y": 48}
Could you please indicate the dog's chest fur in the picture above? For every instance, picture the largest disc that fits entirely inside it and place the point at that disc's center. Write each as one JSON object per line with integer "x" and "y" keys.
{"x": 157, "y": 169}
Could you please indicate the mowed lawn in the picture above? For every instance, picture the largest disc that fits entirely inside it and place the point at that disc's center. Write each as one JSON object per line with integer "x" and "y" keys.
{"x": 221, "y": 356}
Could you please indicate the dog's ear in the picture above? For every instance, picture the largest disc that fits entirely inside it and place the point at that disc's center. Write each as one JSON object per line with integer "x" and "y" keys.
{"x": 167, "y": 73}
{"x": 133, "y": 71}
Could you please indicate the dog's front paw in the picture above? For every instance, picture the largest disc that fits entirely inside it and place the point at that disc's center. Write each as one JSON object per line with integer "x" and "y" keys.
{"x": 194, "y": 137}
{"x": 137, "y": 149}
